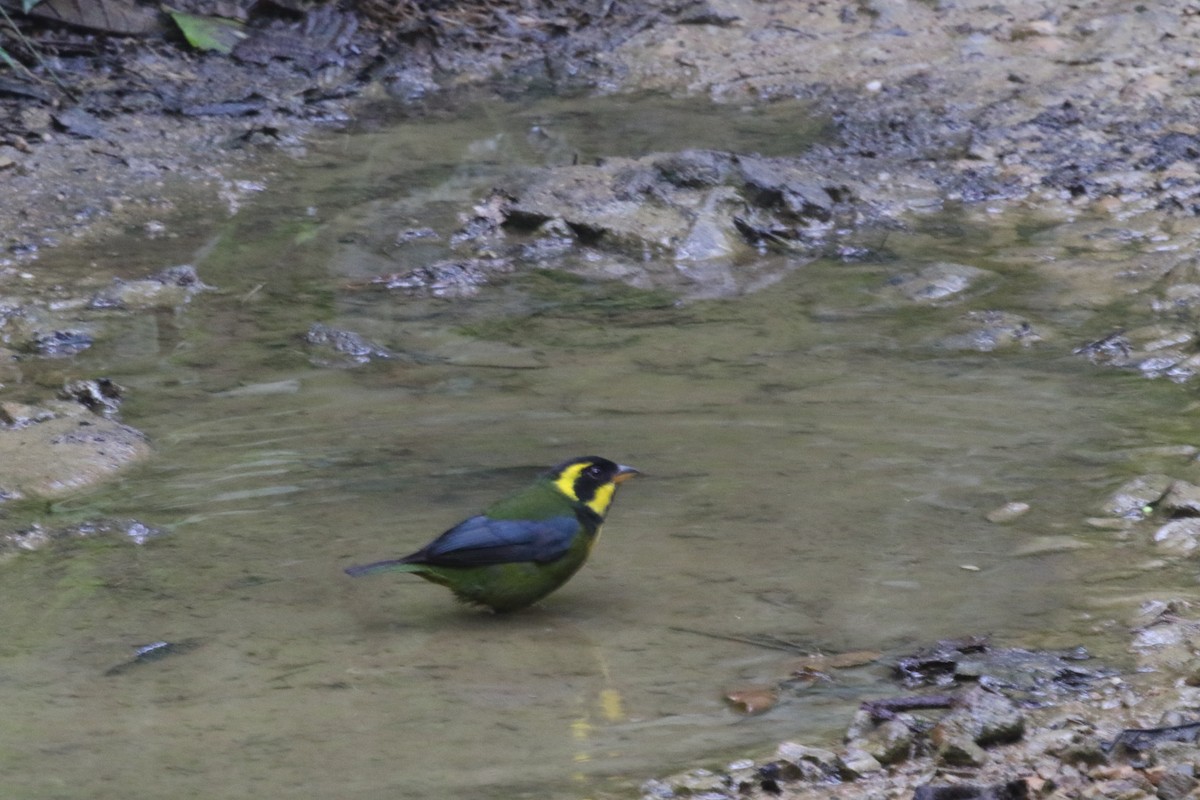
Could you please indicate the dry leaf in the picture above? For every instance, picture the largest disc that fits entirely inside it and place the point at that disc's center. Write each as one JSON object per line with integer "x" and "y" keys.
{"x": 820, "y": 663}
{"x": 753, "y": 699}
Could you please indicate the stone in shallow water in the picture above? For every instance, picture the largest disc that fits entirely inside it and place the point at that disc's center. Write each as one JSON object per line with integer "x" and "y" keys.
{"x": 1042, "y": 545}
{"x": 1179, "y": 537}
{"x": 1007, "y": 512}
{"x": 65, "y": 449}
{"x": 1134, "y": 496}
{"x": 936, "y": 282}
{"x": 1181, "y": 500}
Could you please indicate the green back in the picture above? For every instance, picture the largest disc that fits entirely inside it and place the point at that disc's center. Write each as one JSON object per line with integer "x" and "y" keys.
{"x": 539, "y": 501}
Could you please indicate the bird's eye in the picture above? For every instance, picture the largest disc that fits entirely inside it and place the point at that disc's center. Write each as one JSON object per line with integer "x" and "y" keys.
{"x": 593, "y": 471}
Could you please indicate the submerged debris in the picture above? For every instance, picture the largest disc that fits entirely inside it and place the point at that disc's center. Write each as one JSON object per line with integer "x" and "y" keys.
{"x": 171, "y": 287}
{"x": 61, "y": 343}
{"x": 37, "y": 536}
{"x": 446, "y": 279}
{"x": 337, "y": 346}
{"x": 155, "y": 651}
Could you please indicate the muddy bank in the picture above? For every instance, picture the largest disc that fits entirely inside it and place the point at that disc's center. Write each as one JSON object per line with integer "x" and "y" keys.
{"x": 1079, "y": 115}
{"x": 1061, "y": 111}
{"x": 115, "y": 121}
{"x": 982, "y": 722}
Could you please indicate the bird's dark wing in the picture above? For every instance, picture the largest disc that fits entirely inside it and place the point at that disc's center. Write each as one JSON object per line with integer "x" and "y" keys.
{"x": 481, "y": 541}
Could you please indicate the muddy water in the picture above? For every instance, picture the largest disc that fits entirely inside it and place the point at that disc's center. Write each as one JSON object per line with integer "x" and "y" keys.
{"x": 816, "y": 472}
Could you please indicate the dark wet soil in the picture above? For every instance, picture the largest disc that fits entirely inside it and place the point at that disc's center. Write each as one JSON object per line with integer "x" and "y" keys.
{"x": 100, "y": 131}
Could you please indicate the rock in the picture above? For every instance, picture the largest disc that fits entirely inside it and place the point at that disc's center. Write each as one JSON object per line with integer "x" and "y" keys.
{"x": 605, "y": 204}
{"x": 998, "y": 718}
{"x": 61, "y": 342}
{"x": 694, "y": 168}
{"x": 692, "y": 205}
{"x": 1175, "y": 752}
{"x": 1041, "y": 545}
{"x": 1110, "y": 523}
{"x": 19, "y": 415}
{"x": 1053, "y": 742}
{"x": 855, "y": 763}
{"x": 100, "y": 396}
{"x": 1178, "y": 537}
{"x": 698, "y": 782}
{"x": 808, "y": 763}
{"x": 169, "y": 288}
{"x": 1007, "y": 512}
{"x": 981, "y": 718}
{"x": 712, "y": 234}
{"x": 64, "y": 448}
{"x": 334, "y": 347}
{"x": 777, "y": 184}
{"x": 1012, "y": 790}
{"x": 1176, "y": 782}
{"x": 956, "y": 749}
{"x": 1181, "y": 500}
{"x": 1084, "y": 751}
{"x": 986, "y": 331}
{"x": 937, "y": 282}
{"x": 36, "y": 536}
{"x": 655, "y": 789}
{"x": 446, "y": 279}
{"x": 892, "y": 741}
{"x": 1134, "y": 497}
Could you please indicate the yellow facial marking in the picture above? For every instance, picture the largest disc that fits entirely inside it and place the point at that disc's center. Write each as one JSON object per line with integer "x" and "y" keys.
{"x": 566, "y": 481}
{"x": 600, "y": 501}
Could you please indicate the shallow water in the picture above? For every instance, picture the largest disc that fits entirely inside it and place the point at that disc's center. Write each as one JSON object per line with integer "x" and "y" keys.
{"x": 814, "y": 470}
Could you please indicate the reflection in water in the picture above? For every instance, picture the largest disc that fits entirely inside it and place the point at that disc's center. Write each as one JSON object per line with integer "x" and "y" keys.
{"x": 813, "y": 470}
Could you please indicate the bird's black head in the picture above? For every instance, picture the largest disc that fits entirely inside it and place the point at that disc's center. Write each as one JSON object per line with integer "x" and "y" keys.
{"x": 590, "y": 480}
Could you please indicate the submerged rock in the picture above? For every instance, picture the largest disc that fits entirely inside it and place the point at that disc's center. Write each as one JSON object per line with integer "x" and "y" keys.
{"x": 986, "y": 331}
{"x": 38, "y": 536}
{"x": 446, "y": 279}
{"x": 1135, "y": 497}
{"x": 169, "y": 288}
{"x": 1157, "y": 351}
{"x": 61, "y": 342}
{"x": 56, "y": 449}
{"x": 938, "y": 282}
{"x": 1181, "y": 500}
{"x": 693, "y": 205}
{"x": 336, "y": 347}
{"x": 1179, "y": 537}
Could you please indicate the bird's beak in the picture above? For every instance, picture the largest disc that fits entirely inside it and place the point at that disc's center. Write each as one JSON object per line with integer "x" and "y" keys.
{"x": 624, "y": 473}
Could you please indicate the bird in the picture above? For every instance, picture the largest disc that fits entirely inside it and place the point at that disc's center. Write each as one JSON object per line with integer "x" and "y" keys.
{"x": 523, "y": 547}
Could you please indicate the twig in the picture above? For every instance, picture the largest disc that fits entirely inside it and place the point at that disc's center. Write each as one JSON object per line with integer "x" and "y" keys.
{"x": 769, "y": 642}
{"x": 36, "y": 54}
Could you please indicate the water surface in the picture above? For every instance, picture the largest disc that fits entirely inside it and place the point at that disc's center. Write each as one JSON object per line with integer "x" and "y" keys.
{"x": 815, "y": 470}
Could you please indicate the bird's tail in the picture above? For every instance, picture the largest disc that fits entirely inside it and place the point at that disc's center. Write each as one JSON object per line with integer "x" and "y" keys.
{"x": 392, "y": 565}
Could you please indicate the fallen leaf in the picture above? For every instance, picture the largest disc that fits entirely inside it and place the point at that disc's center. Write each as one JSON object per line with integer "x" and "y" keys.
{"x": 753, "y": 699}
{"x": 821, "y": 662}
{"x": 209, "y": 33}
